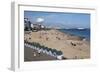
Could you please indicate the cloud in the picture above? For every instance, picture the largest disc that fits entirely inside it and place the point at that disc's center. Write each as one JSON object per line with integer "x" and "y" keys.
{"x": 39, "y": 19}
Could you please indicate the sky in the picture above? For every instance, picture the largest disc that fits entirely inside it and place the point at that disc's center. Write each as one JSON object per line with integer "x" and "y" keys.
{"x": 58, "y": 19}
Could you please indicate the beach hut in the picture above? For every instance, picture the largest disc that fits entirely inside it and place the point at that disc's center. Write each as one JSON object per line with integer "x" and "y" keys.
{"x": 48, "y": 50}
{"x": 43, "y": 50}
{"x": 39, "y": 51}
{"x": 59, "y": 55}
{"x": 54, "y": 52}
{"x": 39, "y": 48}
{"x": 34, "y": 45}
{"x": 51, "y": 52}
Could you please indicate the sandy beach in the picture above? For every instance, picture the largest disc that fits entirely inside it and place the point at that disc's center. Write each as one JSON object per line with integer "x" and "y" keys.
{"x": 73, "y": 47}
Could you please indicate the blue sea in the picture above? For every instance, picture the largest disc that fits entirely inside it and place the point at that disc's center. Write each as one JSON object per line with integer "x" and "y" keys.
{"x": 84, "y": 33}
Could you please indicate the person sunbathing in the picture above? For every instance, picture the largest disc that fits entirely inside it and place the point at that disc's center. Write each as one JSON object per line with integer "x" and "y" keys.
{"x": 73, "y": 44}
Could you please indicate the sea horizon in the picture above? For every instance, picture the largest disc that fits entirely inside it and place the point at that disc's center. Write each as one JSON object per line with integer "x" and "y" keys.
{"x": 83, "y": 33}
